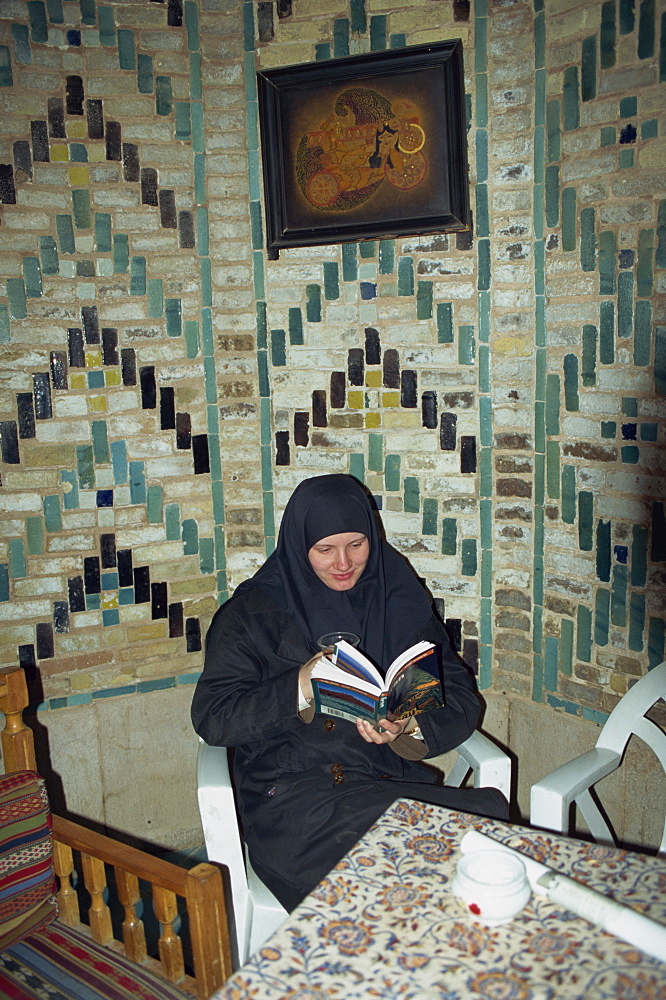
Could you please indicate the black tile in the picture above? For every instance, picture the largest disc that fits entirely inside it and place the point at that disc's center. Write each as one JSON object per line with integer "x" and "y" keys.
{"x": 76, "y": 594}
{"x": 74, "y": 95}
{"x": 77, "y": 355}
{"x": 59, "y": 369}
{"x": 60, "y": 616}
{"x": 128, "y": 365}
{"x": 391, "y": 369}
{"x": 176, "y": 621}
{"x": 125, "y": 568}
{"x": 408, "y": 388}
{"x": 338, "y": 390}
{"x": 110, "y": 345}
{"x": 186, "y": 237}
{"x": 95, "y": 116}
{"x": 465, "y": 240}
{"x": 265, "y": 22}
{"x": 104, "y": 498}
{"x": 319, "y": 415}
{"x": 26, "y": 414}
{"x": 461, "y": 10}
{"x": 627, "y": 134}
{"x": 193, "y": 635}
{"x": 467, "y": 453}
{"x": 131, "y": 166}
{"x": 56, "y": 117}
{"x": 282, "y": 456}
{"x": 23, "y": 157}
{"x": 148, "y": 387}
{"x": 429, "y": 409}
{"x": 90, "y": 324}
{"x": 159, "y": 600}
{"x": 454, "y": 628}
{"x": 183, "y": 431}
{"x": 114, "y": 144}
{"x": 9, "y": 440}
{"x": 149, "y": 186}
{"x": 283, "y": 8}
{"x": 85, "y": 268}
{"x": 200, "y": 454}
{"x": 167, "y": 202}
{"x": 167, "y": 409}
{"x": 26, "y": 657}
{"x": 440, "y": 610}
{"x": 175, "y": 13}
{"x": 107, "y": 546}
{"x": 91, "y": 575}
{"x": 39, "y": 135}
{"x": 470, "y": 654}
{"x": 447, "y": 431}
{"x": 45, "y": 642}
{"x": 356, "y": 366}
{"x": 7, "y": 188}
{"x": 142, "y": 593}
{"x": 41, "y": 390}
{"x": 373, "y": 351}
{"x": 302, "y": 428}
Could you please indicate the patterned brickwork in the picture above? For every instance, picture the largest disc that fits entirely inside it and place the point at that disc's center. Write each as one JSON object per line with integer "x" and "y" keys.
{"x": 167, "y": 383}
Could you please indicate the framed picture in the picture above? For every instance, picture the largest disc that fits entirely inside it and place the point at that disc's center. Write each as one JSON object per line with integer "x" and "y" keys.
{"x": 367, "y": 147}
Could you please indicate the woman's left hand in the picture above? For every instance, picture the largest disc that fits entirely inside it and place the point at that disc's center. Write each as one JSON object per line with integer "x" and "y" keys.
{"x": 390, "y": 730}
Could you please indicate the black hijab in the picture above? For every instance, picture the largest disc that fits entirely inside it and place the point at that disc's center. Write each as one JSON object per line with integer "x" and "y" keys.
{"x": 387, "y": 607}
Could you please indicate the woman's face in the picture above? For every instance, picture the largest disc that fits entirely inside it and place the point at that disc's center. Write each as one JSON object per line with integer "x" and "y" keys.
{"x": 339, "y": 560}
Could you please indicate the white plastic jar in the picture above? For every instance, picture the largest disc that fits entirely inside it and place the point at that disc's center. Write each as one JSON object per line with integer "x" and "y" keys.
{"x": 493, "y": 886}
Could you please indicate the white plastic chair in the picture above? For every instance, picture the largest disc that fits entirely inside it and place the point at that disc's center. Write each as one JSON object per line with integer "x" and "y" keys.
{"x": 256, "y": 913}
{"x": 552, "y": 796}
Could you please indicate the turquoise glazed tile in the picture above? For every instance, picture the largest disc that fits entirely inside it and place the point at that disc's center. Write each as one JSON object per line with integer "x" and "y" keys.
{"x": 552, "y": 190}
{"x": 81, "y": 208}
{"x": 660, "y": 360}
{"x": 52, "y": 513}
{"x": 32, "y": 276}
{"x": 568, "y": 494}
{"x": 190, "y": 536}
{"x": 155, "y": 295}
{"x": 340, "y": 37}
{"x": 278, "y": 348}
{"x": 357, "y": 467}
{"x": 584, "y": 634}
{"x": 248, "y": 26}
{"x": 375, "y": 452}
{"x": 412, "y": 495}
{"x": 322, "y": 51}
{"x": 367, "y": 249}
{"x": 5, "y": 326}
{"x": 182, "y": 121}
{"x": 636, "y": 621}
{"x": 539, "y": 37}
{"x": 486, "y": 473}
{"x": 619, "y": 596}
{"x": 251, "y": 125}
{"x": 630, "y": 406}
{"x": 625, "y": 302}
{"x": 137, "y": 276}
{"x": 262, "y": 328}
{"x": 200, "y": 196}
{"x": 71, "y": 490}
{"x": 18, "y": 305}
{"x": 206, "y": 282}
{"x": 392, "y": 473}
{"x": 313, "y": 303}
{"x": 486, "y": 572}
{"x": 85, "y": 467}
{"x": 378, "y": 32}
{"x": 258, "y": 275}
{"x": 570, "y": 99}
{"x": 481, "y": 155}
{"x": 256, "y": 227}
{"x": 585, "y": 520}
{"x": 628, "y": 107}
{"x": 646, "y": 29}
{"x": 650, "y": 129}
{"x": 482, "y": 213}
{"x": 17, "y": 560}
{"x": 608, "y": 136}
{"x": 429, "y": 524}
{"x": 34, "y": 533}
{"x": 144, "y": 74}
{"x": 386, "y": 256}
{"x": 154, "y": 503}
{"x": 553, "y": 404}
{"x": 126, "y": 49}
{"x": 295, "y": 325}
{"x": 484, "y": 368}
{"x": 484, "y": 264}
{"x": 102, "y": 232}
{"x": 405, "y": 276}
{"x": 21, "y": 49}
{"x": 553, "y": 134}
{"x": 449, "y": 536}
{"x": 630, "y": 454}
{"x": 172, "y": 521}
{"x": 163, "y": 95}
{"x": 626, "y": 159}
{"x": 331, "y": 280}
{"x": 481, "y": 100}
{"x": 445, "y": 322}
{"x": 191, "y": 336}
{"x": 588, "y": 81}
{"x": 424, "y": 295}
{"x": 107, "y": 28}
{"x": 78, "y": 153}
{"x": 397, "y": 41}
{"x": 484, "y": 316}
{"x": 202, "y": 228}
{"x": 466, "y": 345}
{"x": 644, "y": 268}
{"x": 120, "y": 253}
{"x": 192, "y": 25}
{"x": 206, "y": 556}
{"x": 486, "y": 518}
{"x": 589, "y": 359}
{"x": 607, "y": 255}
{"x": 468, "y": 556}
{"x": 607, "y": 35}
{"x": 649, "y": 431}
{"x": 358, "y": 18}
{"x": 553, "y": 469}
{"x": 642, "y": 333}
{"x": 551, "y": 663}
{"x": 571, "y": 400}
{"x": 172, "y": 313}
{"x": 137, "y": 482}
{"x": 656, "y": 640}
{"x": 220, "y": 549}
{"x": 603, "y": 553}
{"x": 569, "y": 218}
{"x": 39, "y": 30}
{"x": 587, "y": 240}
{"x": 566, "y": 646}
{"x": 88, "y": 11}
{"x": 96, "y": 380}
{"x": 349, "y": 262}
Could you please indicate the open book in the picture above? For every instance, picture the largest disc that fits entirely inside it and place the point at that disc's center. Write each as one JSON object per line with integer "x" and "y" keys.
{"x": 348, "y": 685}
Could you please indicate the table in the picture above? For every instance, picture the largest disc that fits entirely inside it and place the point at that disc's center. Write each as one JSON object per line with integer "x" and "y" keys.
{"x": 384, "y": 924}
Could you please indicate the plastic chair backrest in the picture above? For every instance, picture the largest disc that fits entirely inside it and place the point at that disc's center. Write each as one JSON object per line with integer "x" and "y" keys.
{"x": 628, "y": 716}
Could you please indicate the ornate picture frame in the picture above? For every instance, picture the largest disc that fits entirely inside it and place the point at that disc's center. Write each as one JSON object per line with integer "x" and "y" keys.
{"x": 366, "y": 147}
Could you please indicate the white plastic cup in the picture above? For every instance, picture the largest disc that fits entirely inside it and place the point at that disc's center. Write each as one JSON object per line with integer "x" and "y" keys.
{"x": 493, "y": 886}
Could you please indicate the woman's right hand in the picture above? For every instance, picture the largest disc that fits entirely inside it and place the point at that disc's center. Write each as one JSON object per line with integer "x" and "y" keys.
{"x": 304, "y": 676}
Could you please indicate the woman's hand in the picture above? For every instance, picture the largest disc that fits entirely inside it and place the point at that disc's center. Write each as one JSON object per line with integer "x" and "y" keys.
{"x": 390, "y": 730}
{"x": 304, "y": 676}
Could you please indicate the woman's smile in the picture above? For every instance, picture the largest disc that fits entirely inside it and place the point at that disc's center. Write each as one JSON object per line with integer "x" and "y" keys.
{"x": 339, "y": 560}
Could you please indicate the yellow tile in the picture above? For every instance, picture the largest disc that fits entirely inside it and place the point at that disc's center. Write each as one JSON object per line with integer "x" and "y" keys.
{"x": 110, "y": 599}
{"x": 373, "y": 379}
{"x": 356, "y": 400}
{"x": 112, "y": 378}
{"x": 373, "y": 420}
{"x": 59, "y": 153}
{"x": 97, "y": 404}
{"x": 391, "y": 399}
{"x": 79, "y": 176}
{"x": 96, "y": 152}
{"x": 93, "y": 359}
{"x": 77, "y": 380}
{"x": 76, "y": 130}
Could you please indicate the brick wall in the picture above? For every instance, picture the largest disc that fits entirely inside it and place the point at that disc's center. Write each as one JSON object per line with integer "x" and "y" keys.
{"x": 165, "y": 384}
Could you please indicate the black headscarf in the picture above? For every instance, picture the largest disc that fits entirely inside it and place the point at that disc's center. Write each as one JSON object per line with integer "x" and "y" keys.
{"x": 386, "y": 608}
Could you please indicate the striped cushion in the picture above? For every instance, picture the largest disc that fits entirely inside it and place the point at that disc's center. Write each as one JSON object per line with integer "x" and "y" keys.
{"x": 27, "y": 880}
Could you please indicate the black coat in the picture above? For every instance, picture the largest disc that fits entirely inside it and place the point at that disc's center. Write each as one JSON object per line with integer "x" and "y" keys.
{"x": 307, "y": 792}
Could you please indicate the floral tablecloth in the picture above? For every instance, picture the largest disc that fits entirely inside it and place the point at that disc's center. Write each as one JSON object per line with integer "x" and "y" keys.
{"x": 385, "y": 924}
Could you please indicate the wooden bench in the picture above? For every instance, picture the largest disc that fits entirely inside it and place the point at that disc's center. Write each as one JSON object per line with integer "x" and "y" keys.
{"x": 200, "y": 887}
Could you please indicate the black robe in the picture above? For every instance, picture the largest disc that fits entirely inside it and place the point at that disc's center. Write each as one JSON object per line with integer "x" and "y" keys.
{"x": 308, "y": 792}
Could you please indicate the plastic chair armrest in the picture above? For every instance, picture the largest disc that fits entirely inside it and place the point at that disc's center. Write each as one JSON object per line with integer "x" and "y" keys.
{"x": 551, "y": 796}
{"x": 491, "y": 766}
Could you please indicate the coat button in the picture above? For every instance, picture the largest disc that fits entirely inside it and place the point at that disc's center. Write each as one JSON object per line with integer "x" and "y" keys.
{"x": 339, "y": 778}
{"x": 329, "y": 725}
{"x": 336, "y": 768}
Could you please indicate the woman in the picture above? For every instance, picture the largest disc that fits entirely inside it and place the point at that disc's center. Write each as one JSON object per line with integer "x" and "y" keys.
{"x": 308, "y": 785}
